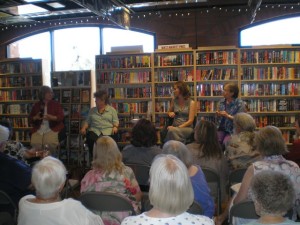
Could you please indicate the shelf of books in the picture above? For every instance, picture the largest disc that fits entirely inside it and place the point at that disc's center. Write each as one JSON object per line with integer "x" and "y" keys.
{"x": 128, "y": 81}
{"x": 169, "y": 67}
{"x": 270, "y": 82}
{"x": 73, "y": 90}
{"x": 20, "y": 80}
{"x": 214, "y": 67}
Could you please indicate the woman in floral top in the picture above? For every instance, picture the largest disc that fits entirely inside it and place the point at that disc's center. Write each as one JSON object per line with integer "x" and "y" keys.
{"x": 109, "y": 174}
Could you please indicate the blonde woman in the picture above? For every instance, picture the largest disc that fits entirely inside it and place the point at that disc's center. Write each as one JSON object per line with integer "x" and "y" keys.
{"x": 110, "y": 174}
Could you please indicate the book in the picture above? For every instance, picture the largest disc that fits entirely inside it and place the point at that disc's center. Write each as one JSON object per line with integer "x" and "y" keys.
{"x": 66, "y": 96}
{"x": 76, "y": 95}
{"x": 85, "y": 96}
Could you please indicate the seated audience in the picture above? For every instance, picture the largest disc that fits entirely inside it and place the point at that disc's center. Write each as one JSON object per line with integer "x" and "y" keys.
{"x": 110, "y": 174}
{"x": 15, "y": 179}
{"x": 48, "y": 179}
{"x": 200, "y": 186}
{"x": 273, "y": 195}
{"x": 240, "y": 150}
{"x": 171, "y": 194}
{"x": 143, "y": 146}
{"x": 207, "y": 152}
{"x": 271, "y": 145}
{"x": 17, "y": 150}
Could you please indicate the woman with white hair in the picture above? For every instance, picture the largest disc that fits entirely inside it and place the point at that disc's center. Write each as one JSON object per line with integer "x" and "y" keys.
{"x": 201, "y": 190}
{"x": 273, "y": 195}
{"x": 48, "y": 178}
{"x": 171, "y": 194}
{"x": 240, "y": 150}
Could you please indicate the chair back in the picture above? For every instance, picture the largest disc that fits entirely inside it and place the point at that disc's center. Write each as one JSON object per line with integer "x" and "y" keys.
{"x": 235, "y": 176}
{"x": 7, "y": 203}
{"x": 244, "y": 209}
{"x": 141, "y": 173}
{"x": 212, "y": 177}
{"x": 106, "y": 202}
{"x": 195, "y": 208}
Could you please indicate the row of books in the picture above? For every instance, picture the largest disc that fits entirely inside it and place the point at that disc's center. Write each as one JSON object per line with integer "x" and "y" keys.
{"x": 167, "y": 91}
{"x": 15, "y": 108}
{"x": 162, "y": 106}
{"x": 270, "y": 56}
{"x": 210, "y": 89}
{"x": 76, "y": 110}
{"x": 21, "y": 136}
{"x": 269, "y": 89}
{"x": 270, "y": 73}
{"x": 20, "y": 67}
{"x": 71, "y": 78}
{"x": 124, "y": 77}
{"x": 20, "y": 122}
{"x": 183, "y": 59}
{"x": 75, "y": 95}
{"x": 216, "y": 57}
{"x": 138, "y": 92}
{"x": 131, "y": 108}
{"x": 174, "y": 75}
{"x": 117, "y": 62}
{"x": 273, "y": 105}
{"x": 207, "y": 106}
{"x": 278, "y": 121}
{"x": 19, "y": 94}
{"x": 217, "y": 74}
{"x": 21, "y": 81}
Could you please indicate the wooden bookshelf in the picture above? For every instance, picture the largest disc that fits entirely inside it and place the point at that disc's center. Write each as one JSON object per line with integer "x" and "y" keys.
{"x": 20, "y": 81}
{"x": 73, "y": 90}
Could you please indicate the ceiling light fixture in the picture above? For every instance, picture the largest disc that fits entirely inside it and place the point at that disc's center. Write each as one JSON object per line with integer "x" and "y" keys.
{"x": 56, "y": 5}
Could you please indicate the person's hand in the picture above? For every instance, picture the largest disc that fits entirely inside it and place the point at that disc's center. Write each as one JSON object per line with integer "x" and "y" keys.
{"x": 114, "y": 130}
{"x": 50, "y": 117}
{"x": 37, "y": 116}
{"x": 170, "y": 127}
{"x": 222, "y": 113}
{"x": 171, "y": 114}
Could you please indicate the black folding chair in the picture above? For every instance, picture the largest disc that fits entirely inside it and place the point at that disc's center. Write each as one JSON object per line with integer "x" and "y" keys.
{"x": 7, "y": 205}
{"x": 141, "y": 173}
{"x": 106, "y": 202}
{"x": 235, "y": 176}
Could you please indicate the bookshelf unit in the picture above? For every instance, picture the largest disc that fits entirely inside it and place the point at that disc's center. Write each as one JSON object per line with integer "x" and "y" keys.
{"x": 140, "y": 85}
{"x": 270, "y": 82}
{"x": 214, "y": 67}
{"x": 169, "y": 67}
{"x": 20, "y": 81}
{"x": 73, "y": 90}
{"x": 128, "y": 81}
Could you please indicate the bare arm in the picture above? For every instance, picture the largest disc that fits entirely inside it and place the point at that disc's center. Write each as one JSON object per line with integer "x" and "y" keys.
{"x": 243, "y": 192}
{"x": 171, "y": 109}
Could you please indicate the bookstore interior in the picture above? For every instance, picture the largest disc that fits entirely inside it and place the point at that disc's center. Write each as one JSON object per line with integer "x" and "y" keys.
{"x": 140, "y": 83}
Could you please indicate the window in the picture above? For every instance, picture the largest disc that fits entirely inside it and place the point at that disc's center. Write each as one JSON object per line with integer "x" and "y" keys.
{"x": 117, "y": 37}
{"x": 36, "y": 47}
{"x": 75, "y": 48}
{"x": 282, "y": 31}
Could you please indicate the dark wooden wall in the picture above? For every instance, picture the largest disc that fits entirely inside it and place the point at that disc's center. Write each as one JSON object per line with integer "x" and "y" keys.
{"x": 197, "y": 27}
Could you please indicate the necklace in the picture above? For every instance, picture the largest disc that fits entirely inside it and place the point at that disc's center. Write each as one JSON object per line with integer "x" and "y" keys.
{"x": 48, "y": 200}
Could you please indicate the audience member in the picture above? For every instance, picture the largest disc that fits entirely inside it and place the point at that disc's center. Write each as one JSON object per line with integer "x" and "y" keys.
{"x": 271, "y": 145}
{"x": 15, "y": 179}
{"x": 171, "y": 194}
{"x": 17, "y": 150}
{"x": 273, "y": 195}
{"x": 110, "y": 174}
{"x": 228, "y": 107}
{"x": 240, "y": 150}
{"x": 46, "y": 119}
{"x": 48, "y": 178}
{"x": 143, "y": 146}
{"x": 101, "y": 120}
{"x": 200, "y": 186}
{"x": 207, "y": 152}
{"x": 182, "y": 111}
